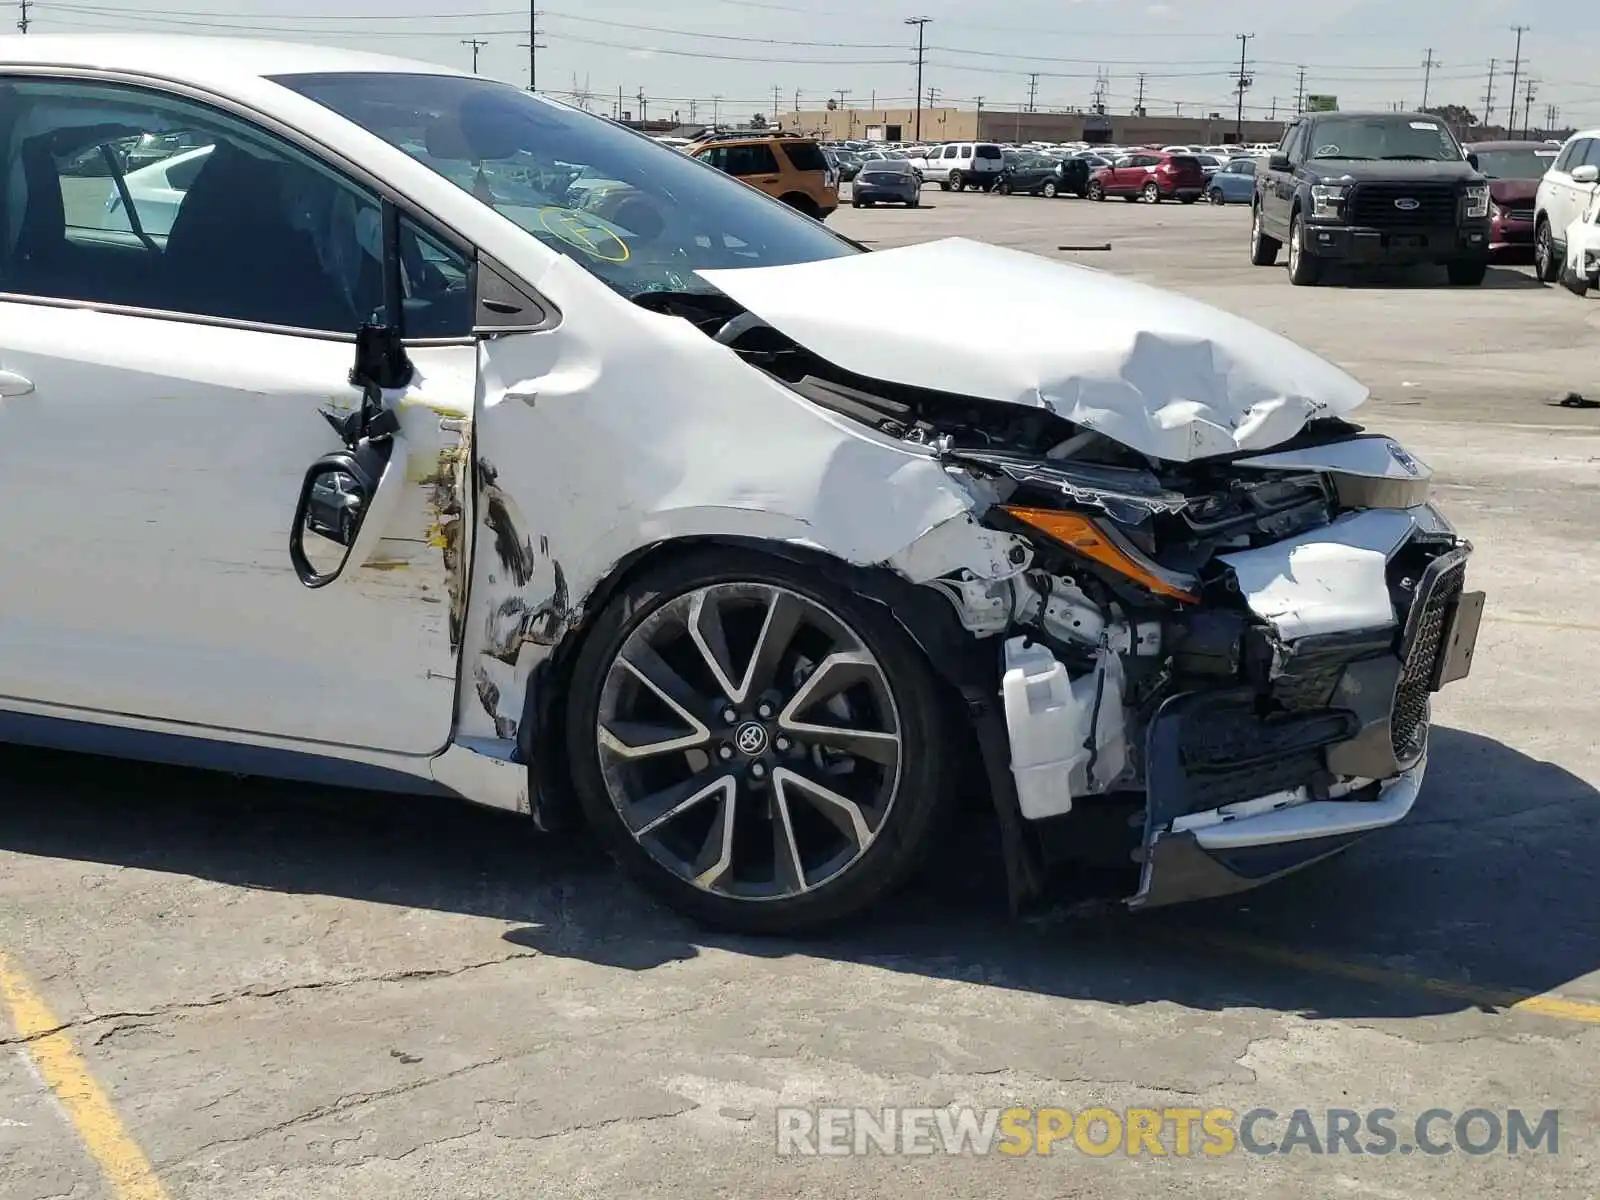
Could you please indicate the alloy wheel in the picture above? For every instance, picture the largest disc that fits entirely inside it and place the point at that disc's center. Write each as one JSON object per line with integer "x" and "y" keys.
{"x": 749, "y": 740}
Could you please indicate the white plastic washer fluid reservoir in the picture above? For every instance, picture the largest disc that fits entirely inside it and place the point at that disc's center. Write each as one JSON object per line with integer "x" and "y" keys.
{"x": 1049, "y": 720}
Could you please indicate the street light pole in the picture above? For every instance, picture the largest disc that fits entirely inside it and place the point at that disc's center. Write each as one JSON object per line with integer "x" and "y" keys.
{"x": 920, "y": 23}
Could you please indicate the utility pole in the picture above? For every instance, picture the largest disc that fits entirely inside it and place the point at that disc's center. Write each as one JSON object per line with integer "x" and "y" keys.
{"x": 533, "y": 45}
{"x": 619, "y": 102}
{"x": 841, "y": 93}
{"x": 775, "y": 102}
{"x": 716, "y": 112}
{"x": 477, "y": 44}
{"x": 1274, "y": 115}
{"x": 1033, "y": 91}
{"x": 1488, "y": 96}
{"x": 1244, "y": 82}
{"x": 1300, "y": 93}
{"x": 1428, "y": 64}
{"x": 1138, "y": 105}
{"x": 978, "y": 124}
{"x": 26, "y": 20}
{"x": 1516, "y": 65}
{"x": 1527, "y": 105}
{"x": 922, "y": 24}
{"x": 644, "y": 108}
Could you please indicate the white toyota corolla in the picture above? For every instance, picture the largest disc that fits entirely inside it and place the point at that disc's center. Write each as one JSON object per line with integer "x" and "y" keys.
{"x": 430, "y": 435}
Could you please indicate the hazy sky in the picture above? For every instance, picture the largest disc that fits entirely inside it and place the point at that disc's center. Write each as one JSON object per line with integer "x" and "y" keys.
{"x": 1367, "y": 52}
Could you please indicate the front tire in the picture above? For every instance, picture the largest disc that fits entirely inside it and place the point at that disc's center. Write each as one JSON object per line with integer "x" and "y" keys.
{"x": 758, "y": 746}
{"x": 1546, "y": 266}
{"x": 1304, "y": 269}
{"x": 1216, "y": 197}
{"x": 1467, "y": 272}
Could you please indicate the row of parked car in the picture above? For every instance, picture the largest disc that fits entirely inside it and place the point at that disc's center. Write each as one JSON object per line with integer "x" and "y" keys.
{"x": 1150, "y": 175}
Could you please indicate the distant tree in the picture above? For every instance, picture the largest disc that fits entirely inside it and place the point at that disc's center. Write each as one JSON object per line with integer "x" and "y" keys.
{"x": 1454, "y": 114}
{"x": 759, "y": 121}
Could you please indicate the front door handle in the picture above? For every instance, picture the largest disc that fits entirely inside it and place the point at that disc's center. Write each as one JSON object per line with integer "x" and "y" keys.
{"x": 12, "y": 384}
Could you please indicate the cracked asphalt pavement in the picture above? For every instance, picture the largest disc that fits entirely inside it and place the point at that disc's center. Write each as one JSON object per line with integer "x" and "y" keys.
{"x": 294, "y": 992}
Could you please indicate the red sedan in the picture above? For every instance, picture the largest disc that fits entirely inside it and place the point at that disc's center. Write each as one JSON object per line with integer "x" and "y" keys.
{"x": 1152, "y": 177}
{"x": 1513, "y": 170}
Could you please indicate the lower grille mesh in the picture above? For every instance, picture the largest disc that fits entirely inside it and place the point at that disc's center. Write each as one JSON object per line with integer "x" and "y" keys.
{"x": 1425, "y": 634}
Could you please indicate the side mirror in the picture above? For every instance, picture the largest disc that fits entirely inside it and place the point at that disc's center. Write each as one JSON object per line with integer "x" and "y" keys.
{"x": 1585, "y": 174}
{"x": 1472, "y": 160}
{"x": 335, "y": 499}
{"x": 1279, "y": 162}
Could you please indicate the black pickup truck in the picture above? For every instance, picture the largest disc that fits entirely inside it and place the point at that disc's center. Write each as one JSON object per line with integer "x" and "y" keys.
{"x": 1385, "y": 187}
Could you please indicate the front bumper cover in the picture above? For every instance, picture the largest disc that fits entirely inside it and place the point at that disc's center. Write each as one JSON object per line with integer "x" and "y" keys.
{"x": 1358, "y": 244}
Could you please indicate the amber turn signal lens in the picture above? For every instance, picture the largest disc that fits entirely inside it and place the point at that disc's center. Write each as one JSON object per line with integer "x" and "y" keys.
{"x": 1078, "y": 533}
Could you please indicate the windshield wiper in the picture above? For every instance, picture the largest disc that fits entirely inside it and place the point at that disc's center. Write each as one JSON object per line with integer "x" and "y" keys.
{"x": 1412, "y": 158}
{"x": 1343, "y": 157}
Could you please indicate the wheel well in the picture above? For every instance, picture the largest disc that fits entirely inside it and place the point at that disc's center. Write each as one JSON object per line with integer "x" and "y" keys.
{"x": 800, "y": 201}
{"x": 966, "y": 666}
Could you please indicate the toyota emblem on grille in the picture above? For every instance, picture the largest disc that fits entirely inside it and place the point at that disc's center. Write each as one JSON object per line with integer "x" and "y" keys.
{"x": 1407, "y": 204}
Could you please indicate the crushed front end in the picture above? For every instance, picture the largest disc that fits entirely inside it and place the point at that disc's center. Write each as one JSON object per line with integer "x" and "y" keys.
{"x": 1227, "y": 608}
{"x": 1249, "y": 644}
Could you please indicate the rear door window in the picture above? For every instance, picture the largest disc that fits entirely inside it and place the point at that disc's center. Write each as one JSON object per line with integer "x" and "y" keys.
{"x": 806, "y": 156}
{"x": 966, "y": 152}
{"x": 1186, "y": 163}
{"x": 950, "y": 151}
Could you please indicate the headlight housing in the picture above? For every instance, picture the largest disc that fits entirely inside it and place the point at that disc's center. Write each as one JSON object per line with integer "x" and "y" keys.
{"x": 1325, "y": 200}
{"x": 1478, "y": 200}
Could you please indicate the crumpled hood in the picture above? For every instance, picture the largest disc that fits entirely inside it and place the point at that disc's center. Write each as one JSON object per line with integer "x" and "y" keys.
{"x": 1165, "y": 375}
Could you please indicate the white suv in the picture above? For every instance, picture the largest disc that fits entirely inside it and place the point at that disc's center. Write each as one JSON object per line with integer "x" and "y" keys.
{"x": 964, "y": 164}
{"x": 1564, "y": 195}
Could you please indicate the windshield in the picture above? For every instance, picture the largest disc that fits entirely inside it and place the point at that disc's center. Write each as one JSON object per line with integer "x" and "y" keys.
{"x": 1516, "y": 164}
{"x": 1384, "y": 138}
{"x": 641, "y": 217}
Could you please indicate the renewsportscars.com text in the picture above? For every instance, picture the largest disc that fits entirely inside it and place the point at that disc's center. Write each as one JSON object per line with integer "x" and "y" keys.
{"x": 1160, "y": 1132}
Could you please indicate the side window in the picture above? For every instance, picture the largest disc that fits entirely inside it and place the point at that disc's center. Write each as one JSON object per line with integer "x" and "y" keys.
{"x": 950, "y": 151}
{"x": 966, "y": 152}
{"x": 751, "y": 160}
{"x": 1591, "y": 157}
{"x": 436, "y": 283}
{"x": 717, "y": 156}
{"x": 189, "y": 210}
{"x": 1571, "y": 155}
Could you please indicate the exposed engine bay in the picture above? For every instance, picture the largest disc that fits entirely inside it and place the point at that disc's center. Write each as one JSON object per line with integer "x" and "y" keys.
{"x": 1248, "y": 640}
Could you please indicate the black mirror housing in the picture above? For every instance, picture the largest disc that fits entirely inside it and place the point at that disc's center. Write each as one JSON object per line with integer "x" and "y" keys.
{"x": 334, "y": 500}
{"x": 381, "y": 359}
{"x": 1279, "y": 162}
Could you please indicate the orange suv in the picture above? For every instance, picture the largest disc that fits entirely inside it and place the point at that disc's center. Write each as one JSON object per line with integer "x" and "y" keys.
{"x": 784, "y": 165}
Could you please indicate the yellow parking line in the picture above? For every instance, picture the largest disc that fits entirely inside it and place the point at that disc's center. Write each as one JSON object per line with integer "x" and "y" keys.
{"x": 66, "y": 1074}
{"x": 1542, "y": 1004}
